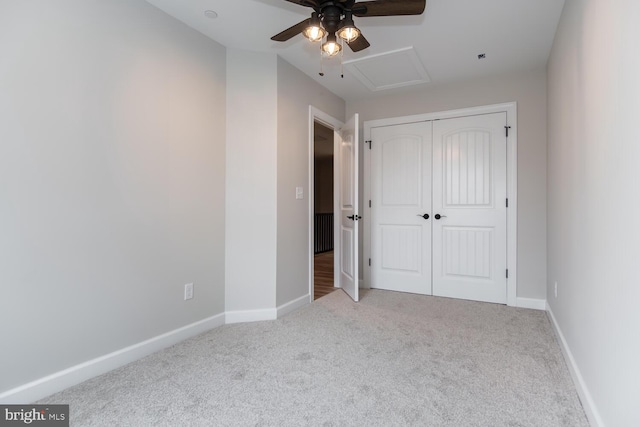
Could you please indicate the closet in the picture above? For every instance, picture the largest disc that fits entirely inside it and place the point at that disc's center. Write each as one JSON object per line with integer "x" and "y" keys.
{"x": 438, "y": 212}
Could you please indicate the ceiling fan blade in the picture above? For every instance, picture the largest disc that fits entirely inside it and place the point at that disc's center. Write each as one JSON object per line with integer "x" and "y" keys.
{"x": 291, "y": 31}
{"x": 389, "y": 7}
{"x": 359, "y": 44}
{"x": 308, "y": 3}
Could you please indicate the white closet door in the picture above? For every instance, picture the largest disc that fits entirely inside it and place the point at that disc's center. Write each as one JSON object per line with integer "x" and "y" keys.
{"x": 401, "y": 208}
{"x": 349, "y": 217}
{"x": 469, "y": 197}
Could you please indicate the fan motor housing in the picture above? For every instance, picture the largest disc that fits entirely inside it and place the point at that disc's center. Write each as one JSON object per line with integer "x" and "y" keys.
{"x": 331, "y": 16}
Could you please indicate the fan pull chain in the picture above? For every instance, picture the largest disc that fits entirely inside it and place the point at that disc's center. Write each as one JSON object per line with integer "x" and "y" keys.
{"x": 342, "y": 59}
{"x": 321, "y": 70}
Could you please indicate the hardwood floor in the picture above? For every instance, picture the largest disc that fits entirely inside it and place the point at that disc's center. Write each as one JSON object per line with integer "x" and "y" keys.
{"x": 323, "y": 274}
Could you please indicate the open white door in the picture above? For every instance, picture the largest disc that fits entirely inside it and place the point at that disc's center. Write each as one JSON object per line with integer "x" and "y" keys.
{"x": 349, "y": 217}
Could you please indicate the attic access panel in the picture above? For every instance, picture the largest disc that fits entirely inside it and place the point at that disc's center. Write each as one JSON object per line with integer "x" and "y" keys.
{"x": 389, "y": 70}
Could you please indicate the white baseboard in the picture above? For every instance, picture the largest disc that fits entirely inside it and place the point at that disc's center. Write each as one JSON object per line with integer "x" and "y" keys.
{"x": 245, "y": 316}
{"x": 64, "y": 379}
{"x": 585, "y": 397}
{"x": 293, "y": 305}
{"x": 61, "y": 380}
{"x": 535, "y": 304}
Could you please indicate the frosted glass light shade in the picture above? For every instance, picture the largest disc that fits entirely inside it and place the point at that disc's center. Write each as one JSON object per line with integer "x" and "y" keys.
{"x": 314, "y": 33}
{"x": 331, "y": 47}
{"x": 348, "y": 33}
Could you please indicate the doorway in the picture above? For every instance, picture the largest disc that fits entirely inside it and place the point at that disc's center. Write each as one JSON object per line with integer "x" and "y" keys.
{"x": 323, "y": 202}
{"x": 346, "y": 140}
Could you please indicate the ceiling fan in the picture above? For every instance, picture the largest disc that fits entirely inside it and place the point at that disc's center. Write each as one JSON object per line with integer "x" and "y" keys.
{"x": 334, "y": 19}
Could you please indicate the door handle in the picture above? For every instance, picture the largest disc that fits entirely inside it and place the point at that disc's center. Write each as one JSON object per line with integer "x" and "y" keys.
{"x": 354, "y": 217}
{"x": 425, "y": 216}
{"x": 438, "y": 216}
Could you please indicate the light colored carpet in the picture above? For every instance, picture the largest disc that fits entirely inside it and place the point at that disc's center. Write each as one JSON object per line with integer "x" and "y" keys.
{"x": 392, "y": 359}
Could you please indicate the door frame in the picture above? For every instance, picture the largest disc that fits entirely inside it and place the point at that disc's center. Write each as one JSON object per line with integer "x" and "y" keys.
{"x": 316, "y": 115}
{"x": 511, "y": 109}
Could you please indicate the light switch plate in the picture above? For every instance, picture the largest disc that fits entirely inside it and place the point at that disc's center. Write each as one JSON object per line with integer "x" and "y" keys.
{"x": 299, "y": 193}
{"x": 188, "y": 291}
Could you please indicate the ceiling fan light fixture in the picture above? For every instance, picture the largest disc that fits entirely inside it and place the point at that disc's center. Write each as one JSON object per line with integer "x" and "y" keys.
{"x": 314, "y": 32}
{"x": 331, "y": 47}
{"x": 348, "y": 31}
{"x": 349, "y": 34}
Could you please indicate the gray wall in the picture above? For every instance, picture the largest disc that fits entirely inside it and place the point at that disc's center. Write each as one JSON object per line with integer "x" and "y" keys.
{"x": 528, "y": 89}
{"x": 112, "y": 124}
{"x": 251, "y": 180}
{"x": 296, "y": 91}
{"x": 594, "y": 201}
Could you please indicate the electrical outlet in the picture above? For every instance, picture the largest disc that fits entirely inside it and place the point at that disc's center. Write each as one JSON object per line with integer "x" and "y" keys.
{"x": 188, "y": 291}
{"x": 555, "y": 289}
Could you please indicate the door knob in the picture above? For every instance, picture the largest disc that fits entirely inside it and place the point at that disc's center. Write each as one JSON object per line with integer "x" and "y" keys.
{"x": 438, "y": 216}
{"x": 354, "y": 217}
{"x": 425, "y": 216}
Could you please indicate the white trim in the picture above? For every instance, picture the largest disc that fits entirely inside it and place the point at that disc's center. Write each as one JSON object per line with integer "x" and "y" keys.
{"x": 449, "y": 114}
{"x": 245, "y": 316}
{"x": 337, "y": 247}
{"x": 588, "y": 404}
{"x": 512, "y": 195}
{"x": 292, "y": 306}
{"x": 532, "y": 303}
{"x": 50, "y": 384}
{"x": 512, "y": 181}
{"x": 335, "y": 124}
{"x": 366, "y": 218}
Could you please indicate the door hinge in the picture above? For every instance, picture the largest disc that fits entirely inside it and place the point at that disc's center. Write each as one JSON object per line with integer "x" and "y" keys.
{"x": 369, "y": 262}
{"x": 368, "y": 142}
{"x": 507, "y": 202}
{"x": 506, "y": 128}
{"x": 369, "y": 203}
{"x": 507, "y": 273}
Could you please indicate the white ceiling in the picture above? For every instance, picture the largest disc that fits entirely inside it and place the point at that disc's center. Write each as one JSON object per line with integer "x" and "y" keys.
{"x": 514, "y": 35}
